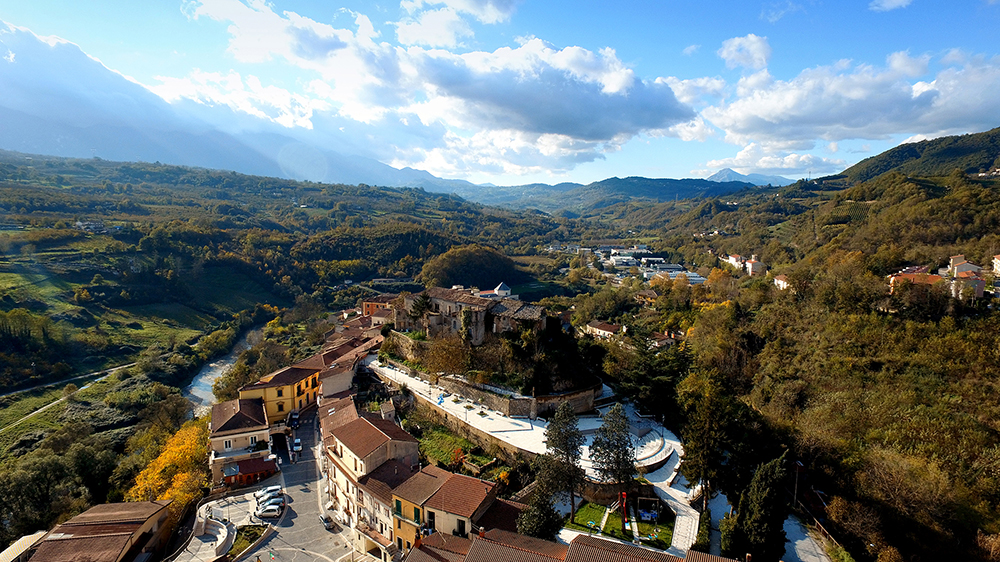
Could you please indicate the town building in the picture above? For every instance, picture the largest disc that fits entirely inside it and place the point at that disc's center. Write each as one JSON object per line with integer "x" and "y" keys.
{"x": 603, "y": 330}
{"x": 461, "y": 313}
{"x": 370, "y": 305}
{"x": 239, "y": 442}
{"x": 111, "y": 532}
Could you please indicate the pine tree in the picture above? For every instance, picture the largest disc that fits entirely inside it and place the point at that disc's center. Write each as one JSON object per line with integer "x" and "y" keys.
{"x": 758, "y": 526}
{"x": 540, "y": 520}
{"x": 564, "y": 443}
{"x": 613, "y": 451}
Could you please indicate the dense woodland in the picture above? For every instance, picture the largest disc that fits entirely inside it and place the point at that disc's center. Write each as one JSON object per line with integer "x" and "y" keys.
{"x": 889, "y": 401}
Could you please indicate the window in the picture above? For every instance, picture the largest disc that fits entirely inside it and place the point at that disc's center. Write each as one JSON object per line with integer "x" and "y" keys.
{"x": 399, "y": 510}
{"x": 227, "y": 444}
{"x": 461, "y": 527}
{"x": 430, "y": 519}
{"x": 416, "y": 515}
{"x": 281, "y": 392}
{"x": 253, "y": 439}
{"x": 281, "y": 406}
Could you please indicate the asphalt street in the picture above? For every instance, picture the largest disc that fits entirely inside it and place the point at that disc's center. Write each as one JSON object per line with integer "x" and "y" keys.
{"x": 301, "y": 536}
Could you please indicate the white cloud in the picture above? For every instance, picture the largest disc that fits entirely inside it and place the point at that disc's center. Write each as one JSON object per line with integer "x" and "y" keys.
{"x": 886, "y": 5}
{"x": 751, "y": 51}
{"x": 9, "y": 57}
{"x": 833, "y": 147}
{"x": 434, "y": 28}
{"x": 861, "y": 101}
{"x": 696, "y": 90}
{"x": 691, "y": 49}
{"x": 249, "y": 96}
{"x": 486, "y": 11}
{"x": 906, "y": 65}
{"x": 777, "y": 10}
{"x": 521, "y": 109}
{"x": 754, "y": 158}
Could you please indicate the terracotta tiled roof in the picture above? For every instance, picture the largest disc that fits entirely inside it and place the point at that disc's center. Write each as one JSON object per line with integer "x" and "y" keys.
{"x": 425, "y": 553}
{"x": 586, "y": 548}
{"x": 387, "y": 477}
{"x": 461, "y": 495}
{"x": 604, "y": 326}
{"x": 511, "y": 547}
{"x": 450, "y": 543}
{"x": 384, "y": 298}
{"x": 695, "y": 556}
{"x": 284, "y": 377}
{"x": 422, "y": 485}
{"x": 102, "y": 533}
{"x": 363, "y": 435}
{"x": 236, "y": 416}
{"x": 531, "y": 544}
{"x": 502, "y": 514}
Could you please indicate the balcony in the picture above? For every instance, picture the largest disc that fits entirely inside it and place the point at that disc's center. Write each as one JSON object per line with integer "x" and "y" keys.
{"x": 406, "y": 518}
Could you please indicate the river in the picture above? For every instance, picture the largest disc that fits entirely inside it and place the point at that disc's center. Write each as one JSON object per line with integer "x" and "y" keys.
{"x": 199, "y": 392}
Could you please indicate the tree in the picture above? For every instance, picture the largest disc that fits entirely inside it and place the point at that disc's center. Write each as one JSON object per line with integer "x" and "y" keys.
{"x": 540, "y": 520}
{"x": 757, "y": 527}
{"x": 564, "y": 443}
{"x": 613, "y": 451}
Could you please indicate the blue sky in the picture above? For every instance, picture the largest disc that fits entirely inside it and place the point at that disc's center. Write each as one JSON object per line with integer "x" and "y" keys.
{"x": 512, "y": 92}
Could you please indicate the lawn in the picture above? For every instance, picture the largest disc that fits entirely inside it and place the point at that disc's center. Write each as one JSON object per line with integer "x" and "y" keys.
{"x": 662, "y": 531}
{"x": 245, "y": 536}
{"x": 439, "y": 444}
{"x": 585, "y": 513}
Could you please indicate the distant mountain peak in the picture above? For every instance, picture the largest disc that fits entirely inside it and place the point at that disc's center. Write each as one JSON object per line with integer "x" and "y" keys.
{"x": 728, "y": 174}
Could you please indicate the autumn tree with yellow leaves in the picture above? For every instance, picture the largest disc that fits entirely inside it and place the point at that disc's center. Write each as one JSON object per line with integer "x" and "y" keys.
{"x": 179, "y": 472}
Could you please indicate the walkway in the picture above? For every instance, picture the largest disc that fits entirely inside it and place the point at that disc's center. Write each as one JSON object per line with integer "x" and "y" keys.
{"x": 529, "y": 436}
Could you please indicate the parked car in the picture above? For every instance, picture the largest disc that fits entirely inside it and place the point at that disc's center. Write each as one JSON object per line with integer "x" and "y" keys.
{"x": 278, "y": 501}
{"x": 266, "y": 491}
{"x": 297, "y": 445}
{"x": 327, "y": 521}
{"x": 269, "y": 511}
{"x": 294, "y": 420}
{"x": 264, "y": 499}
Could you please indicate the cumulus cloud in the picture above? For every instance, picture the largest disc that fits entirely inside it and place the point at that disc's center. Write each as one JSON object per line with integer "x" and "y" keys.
{"x": 691, "y": 49}
{"x": 846, "y": 101}
{"x": 886, "y": 5}
{"x": 695, "y": 90}
{"x": 519, "y": 109}
{"x": 756, "y": 158}
{"x": 434, "y": 28}
{"x": 749, "y": 52}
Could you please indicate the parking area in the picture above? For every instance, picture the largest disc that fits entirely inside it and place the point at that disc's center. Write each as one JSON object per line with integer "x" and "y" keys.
{"x": 301, "y": 535}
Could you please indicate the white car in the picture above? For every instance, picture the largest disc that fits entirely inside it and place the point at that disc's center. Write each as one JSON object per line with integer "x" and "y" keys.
{"x": 269, "y": 511}
{"x": 278, "y": 501}
{"x": 266, "y": 491}
{"x": 264, "y": 499}
{"x": 297, "y": 445}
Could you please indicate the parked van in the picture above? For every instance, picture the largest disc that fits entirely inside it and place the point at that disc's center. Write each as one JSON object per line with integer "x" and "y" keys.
{"x": 266, "y": 491}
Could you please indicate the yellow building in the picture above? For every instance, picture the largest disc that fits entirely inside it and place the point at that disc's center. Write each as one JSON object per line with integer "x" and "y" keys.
{"x": 287, "y": 390}
{"x": 408, "y": 505}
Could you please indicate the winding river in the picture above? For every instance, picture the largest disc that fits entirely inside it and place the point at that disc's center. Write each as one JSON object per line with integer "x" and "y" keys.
{"x": 199, "y": 392}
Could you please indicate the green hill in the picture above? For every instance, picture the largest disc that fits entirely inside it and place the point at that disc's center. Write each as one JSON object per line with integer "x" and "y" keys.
{"x": 975, "y": 153}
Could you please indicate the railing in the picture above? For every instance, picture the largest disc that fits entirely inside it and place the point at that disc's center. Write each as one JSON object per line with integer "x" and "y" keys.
{"x": 406, "y": 517}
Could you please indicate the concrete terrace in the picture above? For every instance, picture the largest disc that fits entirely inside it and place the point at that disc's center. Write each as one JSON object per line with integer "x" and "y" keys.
{"x": 653, "y": 443}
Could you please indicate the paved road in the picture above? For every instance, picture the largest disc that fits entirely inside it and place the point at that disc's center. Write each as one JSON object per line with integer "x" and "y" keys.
{"x": 301, "y": 536}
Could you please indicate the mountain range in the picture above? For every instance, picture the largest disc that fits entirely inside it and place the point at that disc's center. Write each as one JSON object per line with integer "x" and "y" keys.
{"x": 56, "y": 100}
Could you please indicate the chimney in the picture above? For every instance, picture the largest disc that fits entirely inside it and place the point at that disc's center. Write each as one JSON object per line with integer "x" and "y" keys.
{"x": 748, "y": 557}
{"x": 482, "y": 532}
